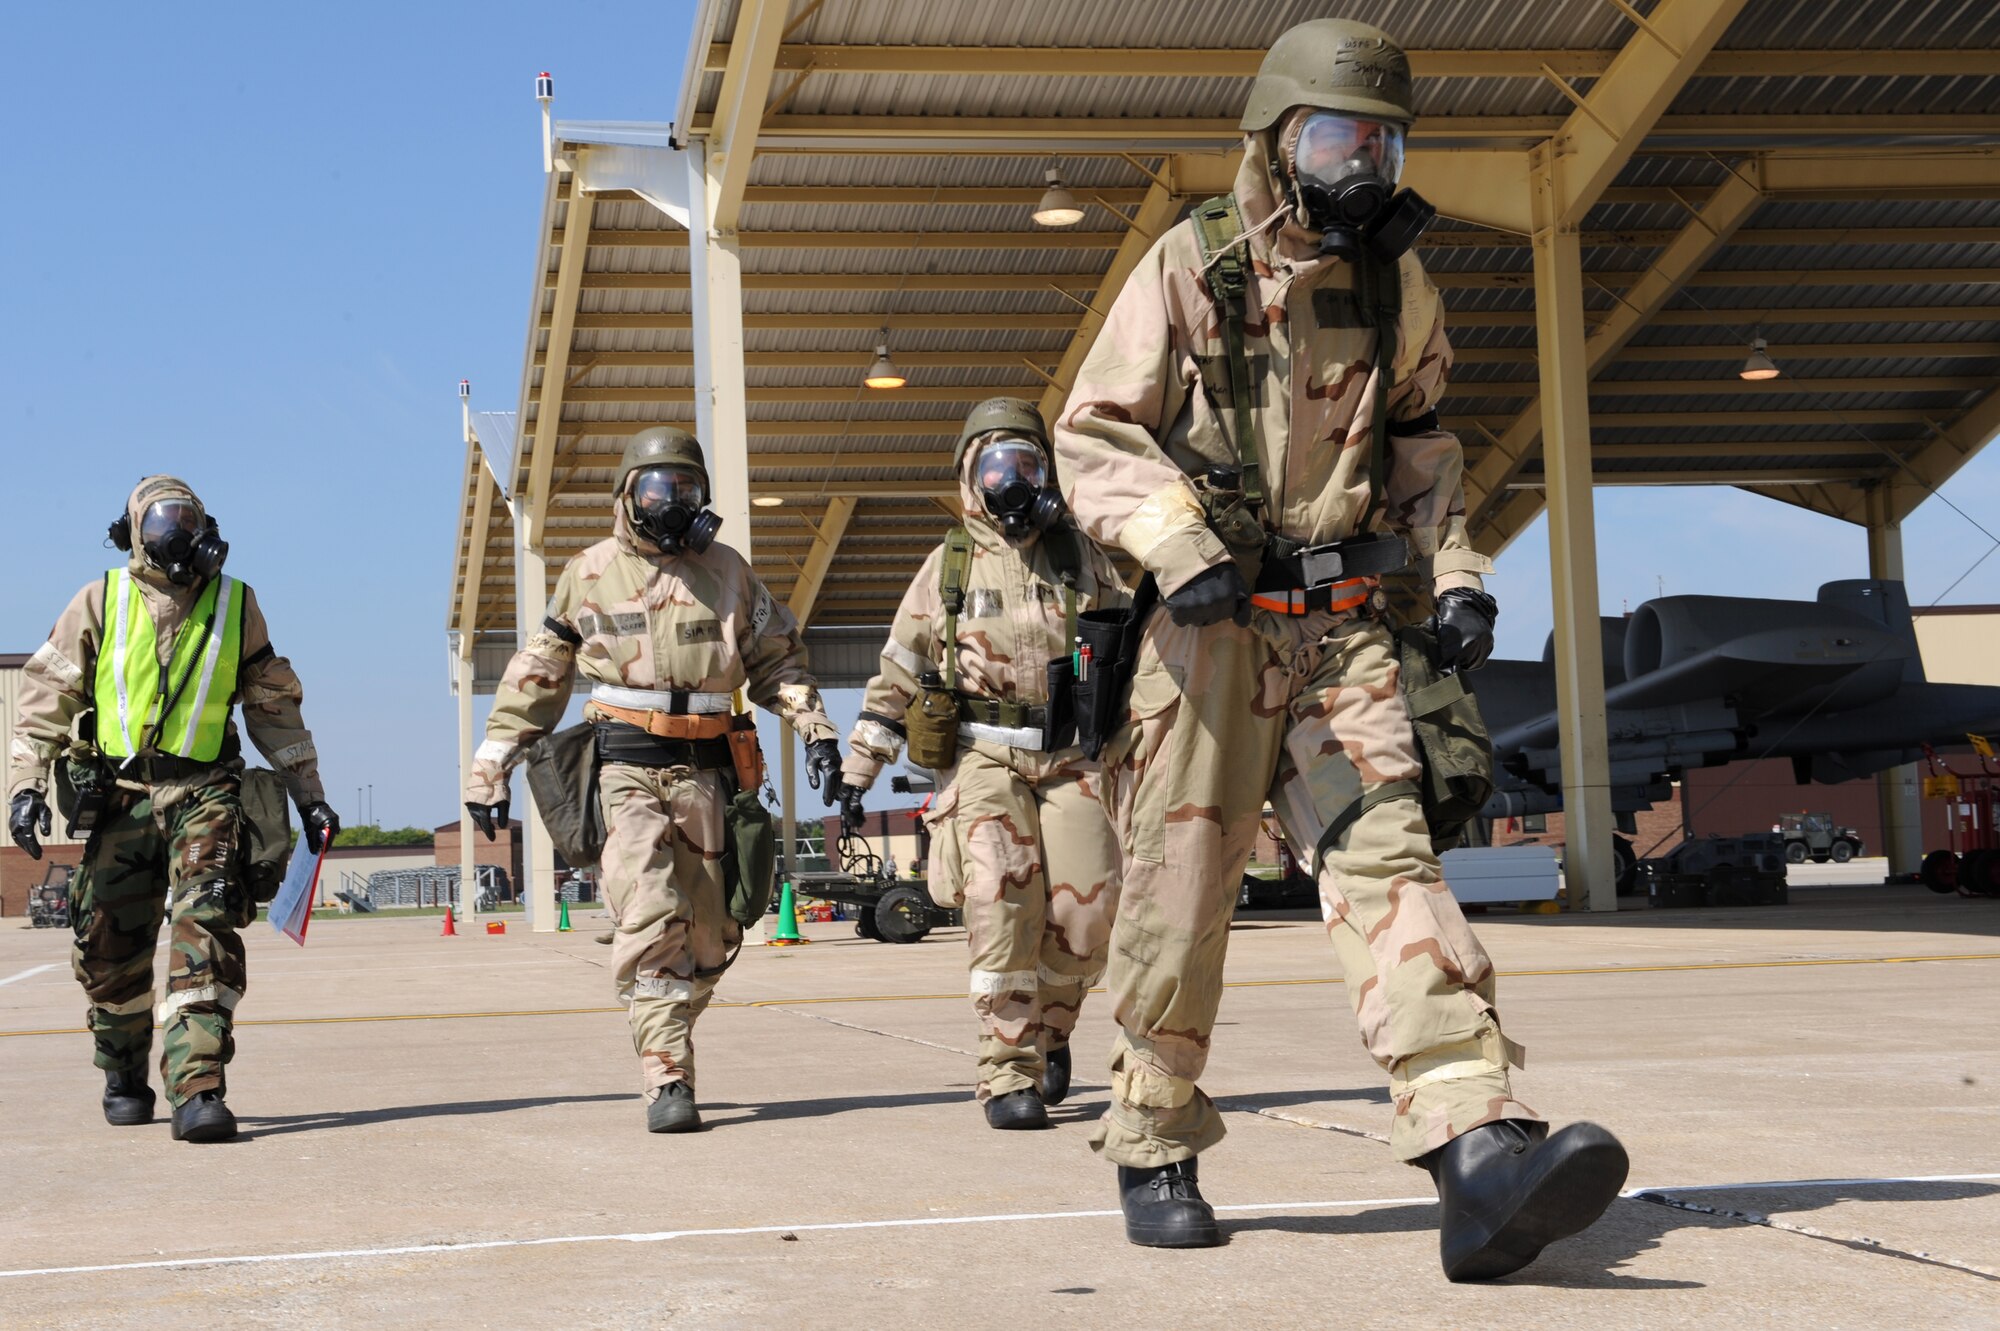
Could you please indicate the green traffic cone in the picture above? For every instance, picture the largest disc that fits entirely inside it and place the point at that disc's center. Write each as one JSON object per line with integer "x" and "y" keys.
{"x": 788, "y": 934}
{"x": 562, "y": 920}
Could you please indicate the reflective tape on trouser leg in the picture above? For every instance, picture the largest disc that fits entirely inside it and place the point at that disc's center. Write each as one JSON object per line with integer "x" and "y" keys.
{"x": 1155, "y": 1117}
{"x": 1453, "y": 1089}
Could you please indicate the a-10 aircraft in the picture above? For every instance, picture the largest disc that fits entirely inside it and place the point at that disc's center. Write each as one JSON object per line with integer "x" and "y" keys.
{"x": 1835, "y": 684}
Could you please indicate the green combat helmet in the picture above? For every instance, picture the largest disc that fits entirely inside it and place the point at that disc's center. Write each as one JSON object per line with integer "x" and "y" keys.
{"x": 663, "y": 445}
{"x": 1000, "y": 413}
{"x": 1336, "y": 65}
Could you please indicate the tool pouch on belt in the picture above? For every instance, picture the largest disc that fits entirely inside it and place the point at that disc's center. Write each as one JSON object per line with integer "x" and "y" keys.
{"x": 1451, "y": 738}
{"x": 84, "y": 787}
{"x": 562, "y": 777}
{"x": 1098, "y": 699}
{"x": 266, "y": 832}
{"x": 1060, "y": 732}
{"x": 744, "y": 753}
{"x": 749, "y": 858}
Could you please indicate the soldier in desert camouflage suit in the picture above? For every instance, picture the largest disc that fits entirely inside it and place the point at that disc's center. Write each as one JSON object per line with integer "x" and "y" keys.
{"x": 665, "y": 624}
{"x": 1019, "y": 833}
{"x": 168, "y": 843}
{"x": 1288, "y": 695}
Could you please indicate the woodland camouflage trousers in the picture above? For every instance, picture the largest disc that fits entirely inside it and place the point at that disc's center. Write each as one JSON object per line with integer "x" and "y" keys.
{"x": 1308, "y": 713}
{"x": 168, "y": 854}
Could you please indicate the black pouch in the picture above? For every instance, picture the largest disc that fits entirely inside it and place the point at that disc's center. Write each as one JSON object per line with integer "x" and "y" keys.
{"x": 83, "y": 793}
{"x": 267, "y": 833}
{"x": 1061, "y": 731}
{"x": 1451, "y": 738}
{"x": 749, "y": 858}
{"x": 562, "y": 777}
{"x": 1112, "y": 640}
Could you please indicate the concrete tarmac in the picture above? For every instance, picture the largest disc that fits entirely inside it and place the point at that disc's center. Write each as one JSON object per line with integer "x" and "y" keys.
{"x": 446, "y": 1132}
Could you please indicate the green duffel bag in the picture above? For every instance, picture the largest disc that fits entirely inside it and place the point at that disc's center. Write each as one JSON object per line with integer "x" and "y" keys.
{"x": 749, "y": 859}
{"x": 1451, "y": 738}
{"x": 267, "y": 832}
{"x": 562, "y": 778}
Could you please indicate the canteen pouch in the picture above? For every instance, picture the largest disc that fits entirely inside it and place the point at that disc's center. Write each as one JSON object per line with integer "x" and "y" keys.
{"x": 562, "y": 777}
{"x": 931, "y": 725}
{"x": 1451, "y": 737}
{"x": 266, "y": 833}
{"x": 749, "y": 858}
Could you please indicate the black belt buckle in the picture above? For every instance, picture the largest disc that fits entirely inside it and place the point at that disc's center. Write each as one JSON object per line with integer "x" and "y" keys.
{"x": 1357, "y": 557}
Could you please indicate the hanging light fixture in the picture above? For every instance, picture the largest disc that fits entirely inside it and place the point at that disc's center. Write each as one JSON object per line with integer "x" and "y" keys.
{"x": 1058, "y": 206}
{"x": 883, "y": 373}
{"x": 1759, "y": 365}
{"x": 767, "y": 501}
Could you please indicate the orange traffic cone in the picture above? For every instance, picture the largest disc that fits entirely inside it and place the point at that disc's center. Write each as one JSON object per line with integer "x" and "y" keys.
{"x": 450, "y": 930}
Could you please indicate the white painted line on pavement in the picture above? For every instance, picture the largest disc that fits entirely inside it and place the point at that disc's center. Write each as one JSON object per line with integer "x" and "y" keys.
{"x": 923, "y": 1222}
{"x": 32, "y": 970}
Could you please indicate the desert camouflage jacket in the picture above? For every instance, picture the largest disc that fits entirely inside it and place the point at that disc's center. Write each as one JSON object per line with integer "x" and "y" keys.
{"x": 1151, "y": 407}
{"x": 1011, "y": 626}
{"x": 59, "y": 683}
{"x": 626, "y": 615}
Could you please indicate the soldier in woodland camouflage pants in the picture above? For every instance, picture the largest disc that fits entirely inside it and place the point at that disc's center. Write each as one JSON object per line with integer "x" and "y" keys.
{"x": 186, "y": 835}
{"x": 1261, "y": 400}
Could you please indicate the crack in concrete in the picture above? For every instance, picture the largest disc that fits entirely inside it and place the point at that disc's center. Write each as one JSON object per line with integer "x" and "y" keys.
{"x": 856, "y": 1026}
{"x": 1856, "y": 1244}
{"x": 1301, "y": 1120}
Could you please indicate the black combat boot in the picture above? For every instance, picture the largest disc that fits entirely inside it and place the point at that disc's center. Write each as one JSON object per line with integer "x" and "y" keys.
{"x": 1017, "y": 1109}
{"x": 204, "y": 1118}
{"x": 673, "y": 1110}
{"x": 1508, "y": 1190}
{"x": 1164, "y": 1207}
{"x": 1055, "y": 1075}
{"x": 128, "y": 1100}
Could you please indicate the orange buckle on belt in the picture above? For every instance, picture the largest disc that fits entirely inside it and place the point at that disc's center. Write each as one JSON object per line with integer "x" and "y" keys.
{"x": 1295, "y": 601}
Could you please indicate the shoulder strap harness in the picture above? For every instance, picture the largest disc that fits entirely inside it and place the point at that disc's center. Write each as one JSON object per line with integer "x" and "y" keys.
{"x": 1064, "y": 553}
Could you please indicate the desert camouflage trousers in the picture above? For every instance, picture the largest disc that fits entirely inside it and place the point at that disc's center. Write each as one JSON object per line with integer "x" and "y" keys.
{"x": 1024, "y": 837}
{"x": 1306, "y": 712}
{"x": 169, "y": 854}
{"x": 664, "y": 834}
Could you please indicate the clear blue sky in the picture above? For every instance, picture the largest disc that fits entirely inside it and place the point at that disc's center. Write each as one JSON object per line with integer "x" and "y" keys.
{"x": 258, "y": 246}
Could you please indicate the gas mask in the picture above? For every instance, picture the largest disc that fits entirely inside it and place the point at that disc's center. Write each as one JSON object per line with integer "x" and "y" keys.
{"x": 670, "y": 509}
{"x": 1342, "y": 173}
{"x": 177, "y": 539}
{"x": 1011, "y": 474}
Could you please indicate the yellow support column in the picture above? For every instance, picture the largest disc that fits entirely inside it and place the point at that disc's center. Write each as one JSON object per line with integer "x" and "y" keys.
{"x": 538, "y": 855}
{"x": 468, "y": 873}
{"x": 1588, "y": 865}
{"x": 1896, "y": 791}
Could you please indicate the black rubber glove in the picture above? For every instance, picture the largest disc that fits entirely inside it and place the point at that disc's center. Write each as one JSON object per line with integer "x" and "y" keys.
{"x": 851, "y": 812}
{"x": 322, "y": 825}
{"x": 823, "y": 768}
{"x": 29, "y": 810}
{"x": 1464, "y": 627}
{"x": 1209, "y": 597}
{"x": 488, "y": 818}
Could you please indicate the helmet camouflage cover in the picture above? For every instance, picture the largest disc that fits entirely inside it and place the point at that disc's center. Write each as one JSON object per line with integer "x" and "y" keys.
{"x": 1000, "y": 413}
{"x": 661, "y": 446}
{"x": 1336, "y": 65}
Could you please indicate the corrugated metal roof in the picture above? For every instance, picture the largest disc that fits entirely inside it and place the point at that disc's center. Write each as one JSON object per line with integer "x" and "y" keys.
{"x": 960, "y": 319}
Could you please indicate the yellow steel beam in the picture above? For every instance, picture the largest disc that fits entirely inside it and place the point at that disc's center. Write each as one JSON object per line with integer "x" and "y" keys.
{"x": 549, "y": 399}
{"x": 1197, "y": 63}
{"x": 1968, "y": 172}
{"x": 1674, "y": 420}
{"x": 886, "y": 281}
{"x": 1487, "y": 186}
{"x": 1951, "y": 447}
{"x": 1676, "y": 450}
{"x": 832, "y": 527}
{"x": 828, "y": 393}
{"x": 1720, "y": 476}
{"x": 1159, "y": 211}
{"x": 1448, "y": 239}
{"x": 596, "y": 502}
{"x": 671, "y": 322}
{"x": 739, "y": 109}
{"x": 925, "y": 196}
{"x": 471, "y": 554}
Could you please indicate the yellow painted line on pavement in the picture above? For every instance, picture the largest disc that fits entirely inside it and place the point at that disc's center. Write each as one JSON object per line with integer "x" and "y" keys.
{"x": 1232, "y": 984}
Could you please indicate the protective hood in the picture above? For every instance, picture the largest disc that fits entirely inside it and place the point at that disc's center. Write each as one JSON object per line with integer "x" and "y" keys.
{"x": 629, "y": 538}
{"x": 144, "y": 495}
{"x": 1260, "y": 197}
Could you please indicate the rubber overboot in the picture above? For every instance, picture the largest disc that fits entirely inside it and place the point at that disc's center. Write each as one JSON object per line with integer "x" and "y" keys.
{"x": 1020, "y": 1109}
{"x": 1055, "y": 1075}
{"x": 1509, "y": 1189}
{"x": 128, "y": 1100}
{"x": 204, "y": 1119}
{"x": 1164, "y": 1207}
{"x": 673, "y": 1110}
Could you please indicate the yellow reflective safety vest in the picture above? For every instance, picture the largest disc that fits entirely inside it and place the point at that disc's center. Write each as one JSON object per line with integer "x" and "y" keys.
{"x": 130, "y": 688}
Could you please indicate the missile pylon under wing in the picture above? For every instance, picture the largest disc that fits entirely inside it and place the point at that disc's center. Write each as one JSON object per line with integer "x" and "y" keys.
{"x": 1835, "y": 684}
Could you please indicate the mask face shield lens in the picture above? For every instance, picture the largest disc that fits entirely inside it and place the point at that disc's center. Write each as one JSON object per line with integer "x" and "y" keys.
{"x": 658, "y": 489}
{"x": 1332, "y": 147}
{"x": 1008, "y": 461}
{"x": 166, "y": 519}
